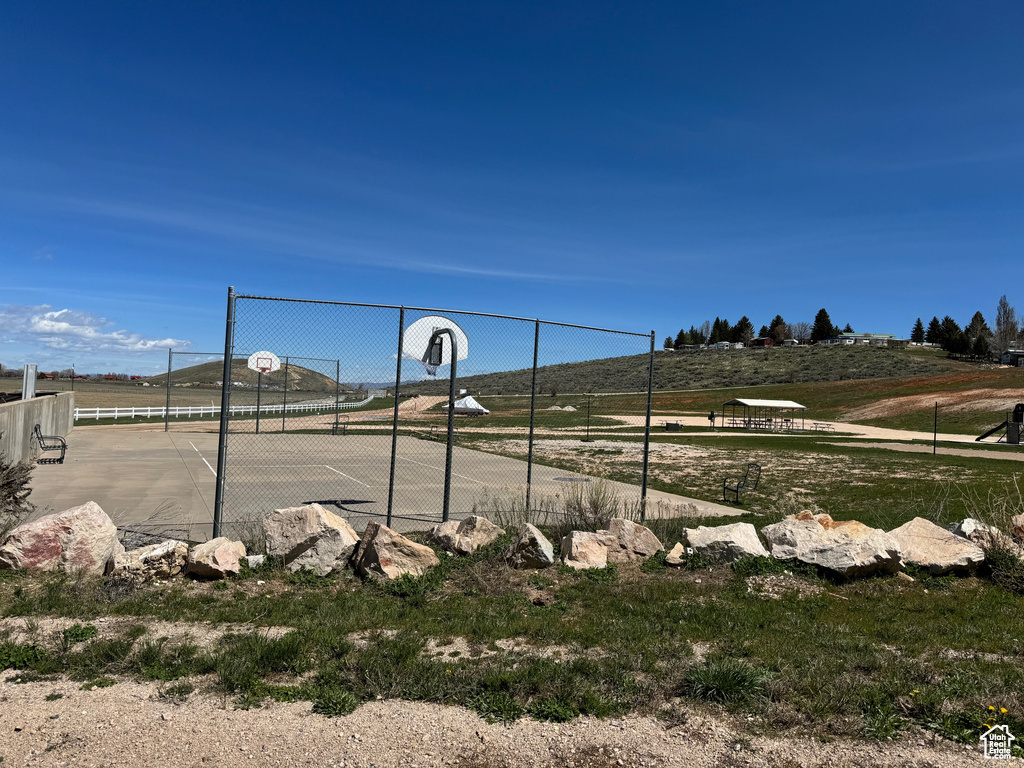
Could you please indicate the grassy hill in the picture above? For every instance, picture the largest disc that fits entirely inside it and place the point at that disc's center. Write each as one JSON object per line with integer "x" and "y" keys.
{"x": 709, "y": 369}
{"x": 208, "y": 374}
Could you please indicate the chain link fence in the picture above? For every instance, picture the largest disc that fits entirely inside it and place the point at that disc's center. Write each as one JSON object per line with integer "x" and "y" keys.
{"x": 548, "y": 417}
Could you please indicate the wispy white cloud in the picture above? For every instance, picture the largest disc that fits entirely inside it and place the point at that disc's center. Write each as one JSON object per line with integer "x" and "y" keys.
{"x": 71, "y": 330}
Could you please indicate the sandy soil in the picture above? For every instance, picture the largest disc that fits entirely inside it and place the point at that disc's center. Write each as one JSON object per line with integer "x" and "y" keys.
{"x": 967, "y": 400}
{"x": 132, "y": 724}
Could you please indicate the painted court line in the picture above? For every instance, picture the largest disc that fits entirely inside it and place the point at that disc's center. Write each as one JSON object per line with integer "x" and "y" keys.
{"x": 203, "y": 458}
{"x": 348, "y": 476}
{"x": 441, "y": 469}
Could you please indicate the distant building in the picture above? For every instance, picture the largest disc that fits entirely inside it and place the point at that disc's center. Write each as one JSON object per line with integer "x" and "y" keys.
{"x": 1014, "y": 357}
{"x": 763, "y": 342}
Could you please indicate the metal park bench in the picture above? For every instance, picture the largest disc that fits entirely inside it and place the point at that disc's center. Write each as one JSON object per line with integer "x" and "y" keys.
{"x": 672, "y": 426}
{"x": 823, "y": 426}
{"x": 745, "y": 484}
{"x": 50, "y": 443}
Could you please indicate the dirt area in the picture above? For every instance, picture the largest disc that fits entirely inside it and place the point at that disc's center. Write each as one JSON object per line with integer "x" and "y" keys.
{"x": 968, "y": 452}
{"x": 55, "y": 723}
{"x": 954, "y": 402}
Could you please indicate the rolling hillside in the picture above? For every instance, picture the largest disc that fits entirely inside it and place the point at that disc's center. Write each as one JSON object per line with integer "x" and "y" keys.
{"x": 209, "y": 374}
{"x": 709, "y": 369}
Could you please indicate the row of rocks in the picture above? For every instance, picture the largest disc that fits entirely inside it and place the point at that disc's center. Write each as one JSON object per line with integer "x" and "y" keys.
{"x": 850, "y": 548}
{"x": 84, "y": 540}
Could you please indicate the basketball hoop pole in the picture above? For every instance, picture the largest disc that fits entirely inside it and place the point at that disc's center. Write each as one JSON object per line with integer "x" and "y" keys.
{"x": 451, "y": 416}
{"x": 259, "y": 386}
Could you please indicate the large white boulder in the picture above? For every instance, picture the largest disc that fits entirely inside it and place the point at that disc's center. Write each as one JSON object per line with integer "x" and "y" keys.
{"x": 163, "y": 560}
{"x": 848, "y": 548}
{"x": 215, "y": 559}
{"x": 82, "y": 539}
{"x": 310, "y": 537}
{"x": 385, "y": 554}
{"x": 725, "y": 543}
{"x": 585, "y": 549}
{"x": 464, "y": 537}
{"x": 630, "y": 542}
{"x": 530, "y": 549}
{"x": 925, "y": 544}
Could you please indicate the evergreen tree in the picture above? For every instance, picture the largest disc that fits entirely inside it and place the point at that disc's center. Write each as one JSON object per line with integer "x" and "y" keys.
{"x": 778, "y": 329}
{"x": 949, "y": 334}
{"x": 822, "y": 328}
{"x": 848, "y": 328}
{"x": 699, "y": 336}
{"x": 977, "y": 327}
{"x": 934, "y": 331}
{"x": 917, "y": 335}
{"x": 668, "y": 343}
{"x": 681, "y": 339}
{"x": 980, "y": 348}
{"x": 763, "y": 333}
{"x": 743, "y": 331}
{"x": 716, "y": 331}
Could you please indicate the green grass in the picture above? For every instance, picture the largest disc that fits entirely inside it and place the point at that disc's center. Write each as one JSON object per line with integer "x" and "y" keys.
{"x": 888, "y": 656}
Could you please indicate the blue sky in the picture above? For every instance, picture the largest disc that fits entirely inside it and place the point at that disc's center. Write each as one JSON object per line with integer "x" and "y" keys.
{"x": 629, "y": 165}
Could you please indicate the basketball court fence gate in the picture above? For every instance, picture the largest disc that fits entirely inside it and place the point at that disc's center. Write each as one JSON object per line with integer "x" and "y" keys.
{"x": 410, "y": 416}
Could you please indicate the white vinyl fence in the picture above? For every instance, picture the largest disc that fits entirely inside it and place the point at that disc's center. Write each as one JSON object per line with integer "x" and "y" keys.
{"x": 188, "y": 411}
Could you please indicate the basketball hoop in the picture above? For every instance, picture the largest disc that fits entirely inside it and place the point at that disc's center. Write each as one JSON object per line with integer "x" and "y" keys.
{"x": 264, "y": 362}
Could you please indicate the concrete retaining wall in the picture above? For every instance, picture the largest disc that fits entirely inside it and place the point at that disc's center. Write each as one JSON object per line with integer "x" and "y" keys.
{"x": 55, "y": 414}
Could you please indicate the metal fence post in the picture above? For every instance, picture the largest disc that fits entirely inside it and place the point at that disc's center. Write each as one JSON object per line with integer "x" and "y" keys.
{"x": 451, "y": 427}
{"x": 394, "y": 424}
{"x": 225, "y": 407}
{"x": 647, "y": 433}
{"x": 337, "y": 394}
{"x": 259, "y": 386}
{"x": 167, "y": 408}
{"x": 533, "y": 402}
{"x": 284, "y": 404}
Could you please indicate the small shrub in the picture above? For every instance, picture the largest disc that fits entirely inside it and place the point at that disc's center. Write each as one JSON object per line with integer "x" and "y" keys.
{"x": 496, "y": 706}
{"x": 1006, "y": 568}
{"x": 725, "y": 680}
{"x": 54, "y": 696}
{"x": 555, "y": 710}
{"x": 14, "y": 492}
{"x": 20, "y": 656}
{"x": 655, "y": 563}
{"x": 881, "y": 722}
{"x": 334, "y": 702}
{"x": 77, "y": 633}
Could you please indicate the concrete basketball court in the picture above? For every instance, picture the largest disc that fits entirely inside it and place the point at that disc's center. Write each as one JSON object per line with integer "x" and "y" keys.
{"x": 165, "y": 482}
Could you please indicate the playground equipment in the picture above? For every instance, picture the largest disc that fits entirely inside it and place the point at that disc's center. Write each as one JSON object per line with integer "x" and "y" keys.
{"x": 1012, "y": 425}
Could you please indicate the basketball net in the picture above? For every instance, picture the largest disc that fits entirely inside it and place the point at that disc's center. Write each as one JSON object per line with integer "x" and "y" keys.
{"x": 431, "y": 369}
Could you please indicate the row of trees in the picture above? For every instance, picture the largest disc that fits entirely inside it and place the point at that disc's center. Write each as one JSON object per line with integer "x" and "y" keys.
{"x": 743, "y": 331}
{"x": 976, "y": 338}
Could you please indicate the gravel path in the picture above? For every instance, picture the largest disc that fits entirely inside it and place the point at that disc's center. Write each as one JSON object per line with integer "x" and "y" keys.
{"x": 129, "y": 724}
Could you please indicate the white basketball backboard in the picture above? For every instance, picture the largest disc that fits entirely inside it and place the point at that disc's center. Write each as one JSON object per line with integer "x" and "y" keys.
{"x": 264, "y": 362}
{"x": 416, "y": 339}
